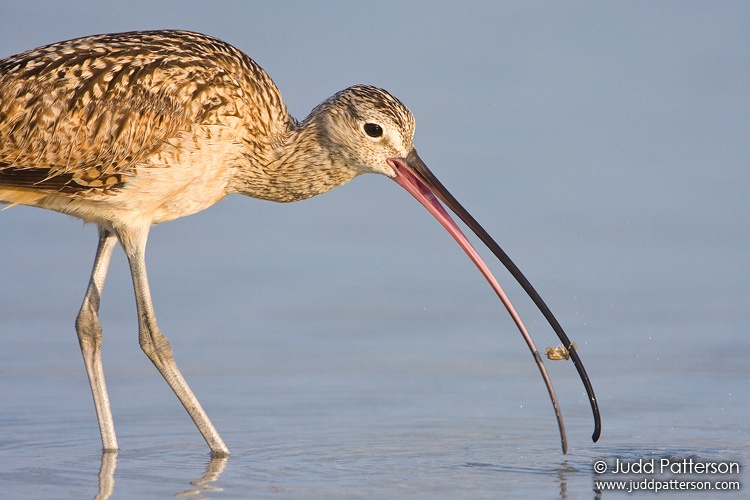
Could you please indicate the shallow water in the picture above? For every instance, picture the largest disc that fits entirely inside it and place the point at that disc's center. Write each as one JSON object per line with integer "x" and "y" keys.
{"x": 371, "y": 393}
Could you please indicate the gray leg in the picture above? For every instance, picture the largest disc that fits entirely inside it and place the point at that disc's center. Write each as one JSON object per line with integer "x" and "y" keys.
{"x": 155, "y": 344}
{"x": 90, "y": 338}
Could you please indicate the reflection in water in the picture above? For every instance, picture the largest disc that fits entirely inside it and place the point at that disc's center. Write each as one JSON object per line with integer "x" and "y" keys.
{"x": 107, "y": 475}
{"x": 562, "y": 476}
{"x": 563, "y": 484}
{"x": 213, "y": 470}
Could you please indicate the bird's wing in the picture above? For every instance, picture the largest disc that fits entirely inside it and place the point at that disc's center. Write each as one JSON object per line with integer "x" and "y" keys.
{"x": 83, "y": 114}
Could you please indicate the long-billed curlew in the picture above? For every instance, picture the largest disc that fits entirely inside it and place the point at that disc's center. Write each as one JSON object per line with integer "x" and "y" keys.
{"x": 132, "y": 129}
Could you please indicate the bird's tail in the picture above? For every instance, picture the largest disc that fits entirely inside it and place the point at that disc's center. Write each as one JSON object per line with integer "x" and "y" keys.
{"x": 17, "y": 196}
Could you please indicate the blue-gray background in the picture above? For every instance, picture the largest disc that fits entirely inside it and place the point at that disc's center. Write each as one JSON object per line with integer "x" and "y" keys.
{"x": 344, "y": 345}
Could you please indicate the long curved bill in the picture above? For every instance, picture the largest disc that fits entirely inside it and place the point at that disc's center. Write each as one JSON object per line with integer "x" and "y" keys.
{"x": 414, "y": 176}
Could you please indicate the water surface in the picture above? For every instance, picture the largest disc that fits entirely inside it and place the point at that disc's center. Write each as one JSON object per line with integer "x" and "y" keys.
{"x": 344, "y": 346}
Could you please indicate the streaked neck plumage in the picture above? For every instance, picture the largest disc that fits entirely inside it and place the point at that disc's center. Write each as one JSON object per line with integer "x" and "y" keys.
{"x": 302, "y": 164}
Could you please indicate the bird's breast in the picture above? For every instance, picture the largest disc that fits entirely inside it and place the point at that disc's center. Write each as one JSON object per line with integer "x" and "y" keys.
{"x": 188, "y": 175}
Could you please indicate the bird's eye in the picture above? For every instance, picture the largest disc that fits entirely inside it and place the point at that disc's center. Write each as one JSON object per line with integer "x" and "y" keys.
{"x": 373, "y": 130}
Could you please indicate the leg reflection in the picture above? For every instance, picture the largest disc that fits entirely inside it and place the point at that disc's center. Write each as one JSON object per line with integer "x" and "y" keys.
{"x": 214, "y": 468}
{"x": 107, "y": 475}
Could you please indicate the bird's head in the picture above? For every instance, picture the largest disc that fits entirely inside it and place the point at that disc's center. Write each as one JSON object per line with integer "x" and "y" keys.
{"x": 362, "y": 127}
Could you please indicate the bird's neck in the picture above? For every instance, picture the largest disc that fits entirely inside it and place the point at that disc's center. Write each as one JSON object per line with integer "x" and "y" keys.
{"x": 295, "y": 168}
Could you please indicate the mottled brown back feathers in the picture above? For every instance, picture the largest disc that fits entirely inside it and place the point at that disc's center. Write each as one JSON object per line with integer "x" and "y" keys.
{"x": 82, "y": 114}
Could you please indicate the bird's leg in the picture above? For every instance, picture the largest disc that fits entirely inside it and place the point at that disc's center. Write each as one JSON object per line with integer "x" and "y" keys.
{"x": 155, "y": 344}
{"x": 89, "y": 332}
